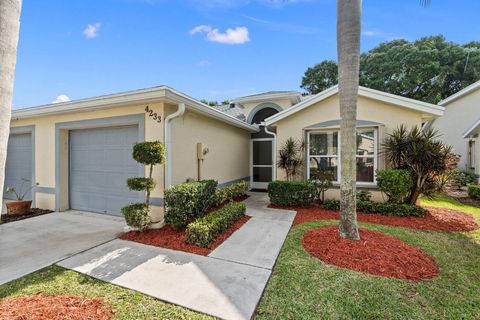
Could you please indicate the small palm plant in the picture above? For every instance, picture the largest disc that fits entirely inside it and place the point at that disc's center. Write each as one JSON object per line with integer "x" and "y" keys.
{"x": 290, "y": 157}
{"x": 149, "y": 154}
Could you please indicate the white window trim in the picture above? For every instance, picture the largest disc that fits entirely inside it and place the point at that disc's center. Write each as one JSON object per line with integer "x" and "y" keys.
{"x": 339, "y": 151}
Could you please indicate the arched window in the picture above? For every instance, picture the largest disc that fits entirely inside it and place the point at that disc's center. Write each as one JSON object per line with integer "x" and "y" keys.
{"x": 262, "y": 112}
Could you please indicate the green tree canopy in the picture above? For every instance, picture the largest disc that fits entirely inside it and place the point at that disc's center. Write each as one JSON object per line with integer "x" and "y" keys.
{"x": 429, "y": 69}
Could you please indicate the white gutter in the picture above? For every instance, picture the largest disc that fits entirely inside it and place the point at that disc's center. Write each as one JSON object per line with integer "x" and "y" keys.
{"x": 167, "y": 137}
{"x": 274, "y": 148}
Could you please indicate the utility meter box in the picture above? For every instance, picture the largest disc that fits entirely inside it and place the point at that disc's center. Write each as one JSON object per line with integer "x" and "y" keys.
{"x": 200, "y": 151}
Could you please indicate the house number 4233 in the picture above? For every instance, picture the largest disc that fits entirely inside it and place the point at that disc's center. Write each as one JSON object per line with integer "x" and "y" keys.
{"x": 152, "y": 114}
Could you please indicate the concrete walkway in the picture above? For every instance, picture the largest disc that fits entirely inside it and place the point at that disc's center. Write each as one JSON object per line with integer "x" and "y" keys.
{"x": 31, "y": 244}
{"x": 227, "y": 284}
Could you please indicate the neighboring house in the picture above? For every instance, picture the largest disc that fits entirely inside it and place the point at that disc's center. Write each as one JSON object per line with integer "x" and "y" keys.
{"x": 460, "y": 125}
{"x": 80, "y": 151}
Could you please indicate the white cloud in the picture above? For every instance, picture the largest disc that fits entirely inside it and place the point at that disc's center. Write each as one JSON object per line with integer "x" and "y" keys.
{"x": 61, "y": 98}
{"x": 239, "y": 35}
{"x": 91, "y": 31}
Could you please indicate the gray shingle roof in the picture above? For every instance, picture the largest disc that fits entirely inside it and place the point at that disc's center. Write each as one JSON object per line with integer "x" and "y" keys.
{"x": 231, "y": 110}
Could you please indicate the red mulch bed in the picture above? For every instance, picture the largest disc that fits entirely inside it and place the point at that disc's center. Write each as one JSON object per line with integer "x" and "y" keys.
{"x": 376, "y": 253}
{"x": 437, "y": 219}
{"x": 167, "y": 237}
{"x": 40, "y": 307}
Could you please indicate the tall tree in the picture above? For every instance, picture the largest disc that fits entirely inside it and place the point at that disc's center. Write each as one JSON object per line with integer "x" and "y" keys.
{"x": 349, "y": 15}
{"x": 9, "y": 28}
{"x": 428, "y": 69}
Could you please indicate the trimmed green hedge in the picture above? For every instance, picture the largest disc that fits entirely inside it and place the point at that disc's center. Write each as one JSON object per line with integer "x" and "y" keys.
{"x": 474, "y": 191}
{"x": 204, "y": 231}
{"x": 292, "y": 193}
{"x": 188, "y": 201}
{"x": 386, "y": 208}
{"x": 228, "y": 193}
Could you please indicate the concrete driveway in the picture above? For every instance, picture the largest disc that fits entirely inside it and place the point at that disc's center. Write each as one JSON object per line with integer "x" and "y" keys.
{"x": 31, "y": 244}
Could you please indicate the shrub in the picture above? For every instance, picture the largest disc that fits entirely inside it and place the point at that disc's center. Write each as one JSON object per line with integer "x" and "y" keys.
{"x": 290, "y": 157}
{"x": 395, "y": 183}
{"x": 290, "y": 193}
{"x": 204, "y": 231}
{"x": 421, "y": 153}
{"x": 147, "y": 153}
{"x": 228, "y": 193}
{"x": 462, "y": 178}
{"x": 331, "y": 204}
{"x": 136, "y": 216}
{"x": 364, "y": 195}
{"x": 188, "y": 201}
{"x": 474, "y": 191}
{"x": 322, "y": 181}
{"x": 386, "y": 208}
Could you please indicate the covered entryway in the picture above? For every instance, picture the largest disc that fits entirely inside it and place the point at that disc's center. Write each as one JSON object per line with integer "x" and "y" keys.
{"x": 19, "y": 165}
{"x": 262, "y": 145}
{"x": 262, "y": 162}
{"x": 100, "y": 163}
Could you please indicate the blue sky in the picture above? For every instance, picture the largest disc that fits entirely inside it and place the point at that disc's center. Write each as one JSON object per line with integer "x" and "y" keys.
{"x": 84, "y": 48}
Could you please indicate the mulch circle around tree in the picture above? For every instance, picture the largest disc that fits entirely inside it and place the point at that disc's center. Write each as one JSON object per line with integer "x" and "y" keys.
{"x": 167, "y": 237}
{"x": 376, "y": 253}
{"x": 437, "y": 219}
{"x": 39, "y": 307}
{"x": 34, "y": 212}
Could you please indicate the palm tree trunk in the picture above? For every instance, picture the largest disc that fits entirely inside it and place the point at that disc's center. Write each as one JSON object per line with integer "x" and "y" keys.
{"x": 349, "y": 14}
{"x": 9, "y": 28}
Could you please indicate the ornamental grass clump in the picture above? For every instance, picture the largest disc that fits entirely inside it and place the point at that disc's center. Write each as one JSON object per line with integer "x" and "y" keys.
{"x": 149, "y": 154}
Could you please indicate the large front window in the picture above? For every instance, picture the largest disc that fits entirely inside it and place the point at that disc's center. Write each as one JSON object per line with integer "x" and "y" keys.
{"x": 324, "y": 154}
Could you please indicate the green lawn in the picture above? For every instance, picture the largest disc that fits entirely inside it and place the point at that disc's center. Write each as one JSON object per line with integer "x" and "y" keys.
{"x": 127, "y": 304}
{"x": 302, "y": 287}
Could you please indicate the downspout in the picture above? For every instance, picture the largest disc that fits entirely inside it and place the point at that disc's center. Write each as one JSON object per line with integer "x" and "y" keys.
{"x": 274, "y": 148}
{"x": 168, "y": 142}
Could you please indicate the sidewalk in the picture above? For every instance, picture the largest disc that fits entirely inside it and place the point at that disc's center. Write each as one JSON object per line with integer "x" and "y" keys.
{"x": 227, "y": 284}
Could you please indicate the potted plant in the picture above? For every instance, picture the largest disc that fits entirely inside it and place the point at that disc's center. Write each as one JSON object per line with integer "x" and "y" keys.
{"x": 19, "y": 206}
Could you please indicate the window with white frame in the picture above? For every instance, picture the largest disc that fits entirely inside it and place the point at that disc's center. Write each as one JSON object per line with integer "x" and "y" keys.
{"x": 324, "y": 154}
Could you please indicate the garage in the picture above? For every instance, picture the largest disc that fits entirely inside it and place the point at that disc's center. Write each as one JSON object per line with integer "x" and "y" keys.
{"x": 19, "y": 164}
{"x": 100, "y": 162}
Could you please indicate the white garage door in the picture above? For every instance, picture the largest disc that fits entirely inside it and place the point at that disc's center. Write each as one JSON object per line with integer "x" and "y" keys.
{"x": 19, "y": 164}
{"x": 100, "y": 163}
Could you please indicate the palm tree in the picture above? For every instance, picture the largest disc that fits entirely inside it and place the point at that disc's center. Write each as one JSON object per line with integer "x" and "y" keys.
{"x": 9, "y": 28}
{"x": 349, "y": 15}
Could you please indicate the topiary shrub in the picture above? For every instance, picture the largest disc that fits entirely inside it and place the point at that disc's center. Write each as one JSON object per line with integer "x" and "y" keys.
{"x": 188, "y": 201}
{"x": 136, "y": 216}
{"x": 474, "y": 191}
{"x": 292, "y": 193}
{"x": 150, "y": 154}
{"x": 204, "y": 231}
{"x": 395, "y": 183}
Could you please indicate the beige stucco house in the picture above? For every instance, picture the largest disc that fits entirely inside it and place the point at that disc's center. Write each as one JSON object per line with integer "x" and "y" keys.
{"x": 460, "y": 125}
{"x": 79, "y": 152}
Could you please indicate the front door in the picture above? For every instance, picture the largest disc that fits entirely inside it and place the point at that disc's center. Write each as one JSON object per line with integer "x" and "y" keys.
{"x": 261, "y": 151}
